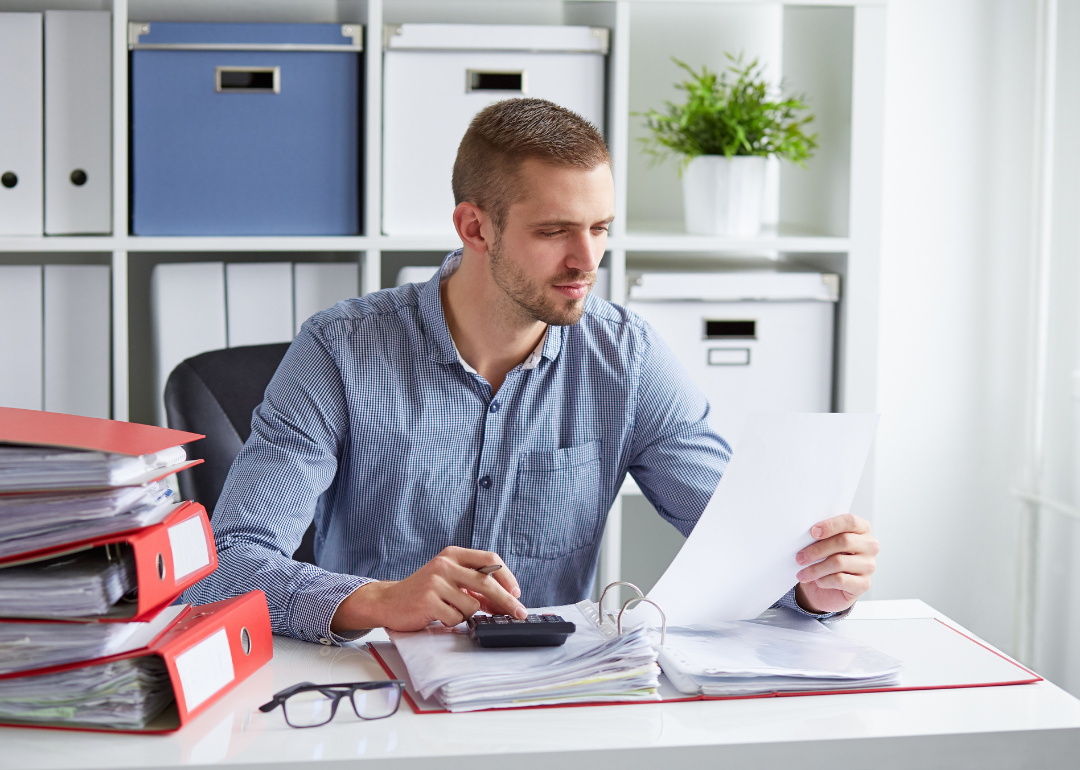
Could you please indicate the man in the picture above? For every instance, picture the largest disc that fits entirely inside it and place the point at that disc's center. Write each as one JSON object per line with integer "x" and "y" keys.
{"x": 487, "y": 417}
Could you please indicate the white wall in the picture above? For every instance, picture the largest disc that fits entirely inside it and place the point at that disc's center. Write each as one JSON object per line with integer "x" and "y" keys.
{"x": 1058, "y": 638}
{"x": 954, "y": 305}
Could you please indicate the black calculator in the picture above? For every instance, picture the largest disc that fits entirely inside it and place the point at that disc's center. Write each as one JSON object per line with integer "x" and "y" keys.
{"x": 508, "y": 631}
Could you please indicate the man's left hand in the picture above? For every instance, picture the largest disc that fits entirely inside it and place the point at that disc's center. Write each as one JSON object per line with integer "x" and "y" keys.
{"x": 844, "y": 555}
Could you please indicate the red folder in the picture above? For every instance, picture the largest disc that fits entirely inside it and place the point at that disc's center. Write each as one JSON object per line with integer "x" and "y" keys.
{"x": 169, "y": 557}
{"x": 208, "y": 651}
{"x": 35, "y": 428}
{"x": 394, "y": 667}
{"x": 29, "y": 426}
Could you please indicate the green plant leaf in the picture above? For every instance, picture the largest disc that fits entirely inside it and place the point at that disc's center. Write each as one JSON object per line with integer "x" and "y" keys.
{"x": 730, "y": 113}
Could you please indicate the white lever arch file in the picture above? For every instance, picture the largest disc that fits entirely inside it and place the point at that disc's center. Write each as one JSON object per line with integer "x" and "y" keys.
{"x": 20, "y": 124}
{"x": 78, "y": 154}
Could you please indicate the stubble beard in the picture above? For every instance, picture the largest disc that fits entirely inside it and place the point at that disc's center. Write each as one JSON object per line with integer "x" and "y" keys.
{"x": 531, "y": 297}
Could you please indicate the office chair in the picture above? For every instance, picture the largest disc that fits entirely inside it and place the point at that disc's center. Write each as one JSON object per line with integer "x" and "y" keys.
{"x": 214, "y": 394}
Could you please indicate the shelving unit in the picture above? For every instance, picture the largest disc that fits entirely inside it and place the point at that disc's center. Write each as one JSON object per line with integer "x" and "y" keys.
{"x": 826, "y": 216}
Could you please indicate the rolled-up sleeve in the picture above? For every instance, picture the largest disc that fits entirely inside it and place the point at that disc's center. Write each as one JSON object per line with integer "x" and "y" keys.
{"x": 271, "y": 494}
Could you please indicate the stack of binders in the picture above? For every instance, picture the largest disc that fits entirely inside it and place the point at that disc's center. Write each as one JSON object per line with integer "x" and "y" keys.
{"x": 94, "y": 550}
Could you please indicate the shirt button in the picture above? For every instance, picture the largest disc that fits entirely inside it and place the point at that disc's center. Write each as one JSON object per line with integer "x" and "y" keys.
{"x": 325, "y": 641}
{"x": 485, "y": 482}
{"x": 494, "y": 406}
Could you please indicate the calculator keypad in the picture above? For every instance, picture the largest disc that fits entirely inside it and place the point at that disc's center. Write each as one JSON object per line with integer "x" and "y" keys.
{"x": 546, "y": 630}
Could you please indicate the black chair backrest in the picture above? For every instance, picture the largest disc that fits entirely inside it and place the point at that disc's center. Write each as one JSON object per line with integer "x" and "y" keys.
{"x": 214, "y": 394}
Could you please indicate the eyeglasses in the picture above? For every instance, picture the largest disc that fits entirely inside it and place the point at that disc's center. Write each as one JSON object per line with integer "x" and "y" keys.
{"x": 312, "y": 705}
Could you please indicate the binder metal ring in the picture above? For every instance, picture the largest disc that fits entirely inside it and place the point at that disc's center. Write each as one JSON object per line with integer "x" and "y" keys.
{"x": 609, "y": 586}
{"x": 663, "y": 617}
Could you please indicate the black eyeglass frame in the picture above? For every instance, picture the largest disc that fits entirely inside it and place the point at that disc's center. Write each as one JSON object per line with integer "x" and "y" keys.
{"x": 337, "y": 692}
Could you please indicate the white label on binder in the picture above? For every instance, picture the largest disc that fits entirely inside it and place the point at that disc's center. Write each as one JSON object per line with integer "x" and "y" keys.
{"x": 205, "y": 669}
{"x": 189, "y": 551}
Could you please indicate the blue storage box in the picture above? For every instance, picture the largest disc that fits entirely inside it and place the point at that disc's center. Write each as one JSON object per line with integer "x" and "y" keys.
{"x": 245, "y": 129}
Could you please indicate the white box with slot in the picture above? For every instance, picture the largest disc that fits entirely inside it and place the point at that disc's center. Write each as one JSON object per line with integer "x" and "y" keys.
{"x": 436, "y": 77}
{"x": 752, "y": 341}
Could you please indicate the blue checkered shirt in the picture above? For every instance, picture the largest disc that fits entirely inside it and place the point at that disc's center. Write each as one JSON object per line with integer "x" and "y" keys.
{"x": 374, "y": 426}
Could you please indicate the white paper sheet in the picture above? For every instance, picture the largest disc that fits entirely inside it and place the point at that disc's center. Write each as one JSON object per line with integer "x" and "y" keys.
{"x": 788, "y": 472}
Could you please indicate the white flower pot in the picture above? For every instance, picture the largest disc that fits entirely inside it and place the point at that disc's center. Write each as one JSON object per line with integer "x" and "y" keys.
{"x": 724, "y": 196}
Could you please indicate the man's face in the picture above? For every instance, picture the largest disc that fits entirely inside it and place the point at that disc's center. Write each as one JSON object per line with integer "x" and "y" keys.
{"x": 546, "y": 257}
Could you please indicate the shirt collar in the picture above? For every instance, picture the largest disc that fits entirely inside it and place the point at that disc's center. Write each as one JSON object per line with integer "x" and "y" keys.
{"x": 441, "y": 345}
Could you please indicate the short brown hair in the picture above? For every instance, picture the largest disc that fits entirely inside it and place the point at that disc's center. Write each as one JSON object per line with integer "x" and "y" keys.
{"x": 504, "y": 135}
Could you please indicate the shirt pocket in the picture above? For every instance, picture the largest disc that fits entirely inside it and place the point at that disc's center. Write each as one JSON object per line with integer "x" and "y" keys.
{"x": 557, "y": 501}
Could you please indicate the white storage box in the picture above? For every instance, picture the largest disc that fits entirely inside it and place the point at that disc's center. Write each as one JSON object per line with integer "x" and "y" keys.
{"x": 752, "y": 341}
{"x": 436, "y": 77}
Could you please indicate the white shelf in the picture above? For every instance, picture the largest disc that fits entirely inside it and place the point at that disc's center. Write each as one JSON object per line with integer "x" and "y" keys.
{"x": 417, "y": 242}
{"x": 653, "y": 238}
{"x": 247, "y": 243}
{"x": 136, "y": 244}
{"x": 656, "y": 241}
{"x": 67, "y": 243}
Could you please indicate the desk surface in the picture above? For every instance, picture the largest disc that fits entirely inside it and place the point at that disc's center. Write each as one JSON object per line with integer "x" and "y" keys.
{"x": 1036, "y": 725}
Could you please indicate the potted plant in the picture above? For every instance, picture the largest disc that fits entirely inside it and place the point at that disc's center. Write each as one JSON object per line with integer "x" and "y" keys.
{"x": 727, "y": 128}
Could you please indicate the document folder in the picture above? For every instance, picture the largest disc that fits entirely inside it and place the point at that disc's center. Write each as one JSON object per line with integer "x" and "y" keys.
{"x": 78, "y": 339}
{"x": 34, "y": 428}
{"x": 21, "y": 328}
{"x": 208, "y": 651}
{"x": 78, "y": 135}
{"x": 169, "y": 557}
{"x": 936, "y": 656}
{"x": 185, "y": 329}
{"x": 50, "y": 429}
{"x": 21, "y": 174}
{"x": 260, "y": 303}
{"x": 798, "y": 656}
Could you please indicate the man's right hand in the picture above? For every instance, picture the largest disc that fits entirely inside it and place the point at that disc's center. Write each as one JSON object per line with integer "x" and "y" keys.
{"x": 448, "y": 589}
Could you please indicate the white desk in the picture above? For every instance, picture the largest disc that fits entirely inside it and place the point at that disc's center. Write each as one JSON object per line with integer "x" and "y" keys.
{"x": 1030, "y": 726}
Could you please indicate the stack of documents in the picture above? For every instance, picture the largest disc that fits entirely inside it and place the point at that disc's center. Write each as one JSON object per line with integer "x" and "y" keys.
{"x": 153, "y": 676}
{"x": 28, "y": 468}
{"x": 123, "y": 694}
{"x": 93, "y": 553}
{"x": 89, "y": 530}
{"x": 590, "y": 668}
{"x": 26, "y": 646}
{"x": 31, "y": 522}
{"x": 75, "y": 493}
{"x": 85, "y": 583}
{"x": 782, "y": 651}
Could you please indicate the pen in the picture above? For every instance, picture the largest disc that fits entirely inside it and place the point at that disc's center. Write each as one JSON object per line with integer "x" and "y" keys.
{"x": 489, "y": 569}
